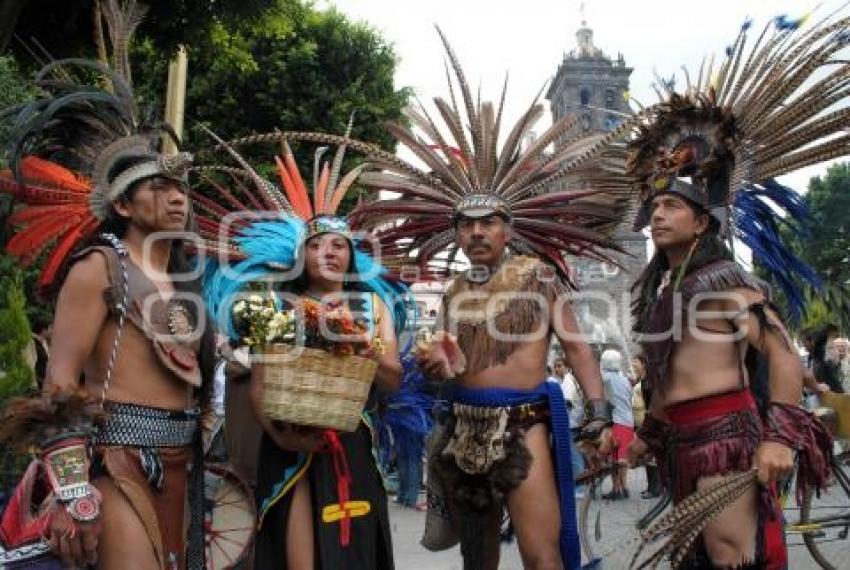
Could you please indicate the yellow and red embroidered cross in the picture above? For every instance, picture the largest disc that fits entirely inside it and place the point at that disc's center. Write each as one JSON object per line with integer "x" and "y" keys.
{"x": 350, "y": 510}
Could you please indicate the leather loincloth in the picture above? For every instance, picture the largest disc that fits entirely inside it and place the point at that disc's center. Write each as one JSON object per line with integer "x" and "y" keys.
{"x": 147, "y": 452}
{"x": 162, "y": 512}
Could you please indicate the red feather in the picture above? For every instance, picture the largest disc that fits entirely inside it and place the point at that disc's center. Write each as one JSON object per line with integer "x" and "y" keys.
{"x": 300, "y": 187}
{"x": 57, "y": 210}
{"x": 33, "y": 194}
{"x": 28, "y": 243}
{"x": 297, "y": 198}
{"x": 34, "y": 214}
{"x": 34, "y": 169}
{"x": 66, "y": 244}
{"x": 208, "y": 204}
{"x": 227, "y": 194}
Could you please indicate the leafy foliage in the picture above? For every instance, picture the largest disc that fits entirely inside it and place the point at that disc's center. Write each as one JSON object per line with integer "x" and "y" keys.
{"x": 13, "y": 89}
{"x": 826, "y": 247}
{"x": 66, "y": 29}
{"x": 254, "y": 66}
{"x": 16, "y": 375}
{"x": 296, "y": 68}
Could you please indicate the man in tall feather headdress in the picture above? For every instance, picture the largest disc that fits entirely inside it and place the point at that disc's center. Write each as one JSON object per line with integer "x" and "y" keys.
{"x": 493, "y": 450}
{"x": 129, "y": 330}
{"x": 704, "y": 162}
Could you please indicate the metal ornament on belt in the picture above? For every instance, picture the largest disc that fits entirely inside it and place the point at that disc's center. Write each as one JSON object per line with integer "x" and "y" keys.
{"x": 478, "y": 440}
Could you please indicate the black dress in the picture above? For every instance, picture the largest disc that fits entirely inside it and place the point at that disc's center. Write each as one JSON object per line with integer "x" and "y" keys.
{"x": 370, "y": 545}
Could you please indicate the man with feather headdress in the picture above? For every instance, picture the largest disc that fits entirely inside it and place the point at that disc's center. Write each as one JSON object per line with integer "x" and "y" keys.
{"x": 125, "y": 488}
{"x": 493, "y": 451}
{"x": 704, "y": 162}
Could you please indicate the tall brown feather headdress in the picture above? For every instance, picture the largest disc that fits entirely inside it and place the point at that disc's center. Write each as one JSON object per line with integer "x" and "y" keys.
{"x": 471, "y": 171}
{"x": 774, "y": 106}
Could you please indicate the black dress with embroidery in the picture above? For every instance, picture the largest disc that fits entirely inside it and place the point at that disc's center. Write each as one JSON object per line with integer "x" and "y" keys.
{"x": 370, "y": 545}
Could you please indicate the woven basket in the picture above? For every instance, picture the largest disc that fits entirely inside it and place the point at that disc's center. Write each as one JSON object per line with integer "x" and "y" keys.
{"x": 315, "y": 388}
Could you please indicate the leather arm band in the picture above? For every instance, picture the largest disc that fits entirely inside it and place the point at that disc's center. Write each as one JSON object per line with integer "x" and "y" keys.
{"x": 67, "y": 463}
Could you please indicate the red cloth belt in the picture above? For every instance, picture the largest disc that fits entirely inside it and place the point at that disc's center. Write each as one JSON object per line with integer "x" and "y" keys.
{"x": 707, "y": 407}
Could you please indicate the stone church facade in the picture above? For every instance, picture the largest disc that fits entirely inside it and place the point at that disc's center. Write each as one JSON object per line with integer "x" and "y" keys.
{"x": 595, "y": 86}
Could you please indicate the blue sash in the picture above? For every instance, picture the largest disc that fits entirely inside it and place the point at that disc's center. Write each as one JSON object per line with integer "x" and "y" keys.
{"x": 497, "y": 397}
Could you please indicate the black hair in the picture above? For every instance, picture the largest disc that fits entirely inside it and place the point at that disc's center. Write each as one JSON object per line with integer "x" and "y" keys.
{"x": 819, "y": 338}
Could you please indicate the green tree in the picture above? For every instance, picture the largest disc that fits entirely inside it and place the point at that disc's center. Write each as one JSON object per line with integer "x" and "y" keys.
{"x": 827, "y": 247}
{"x": 13, "y": 89}
{"x": 66, "y": 29}
{"x": 285, "y": 64}
{"x": 16, "y": 376}
{"x": 296, "y": 68}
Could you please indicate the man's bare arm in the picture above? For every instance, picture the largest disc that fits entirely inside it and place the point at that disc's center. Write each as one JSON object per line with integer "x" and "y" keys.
{"x": 773, "y": 342}
{"x": 80, "y": 313}
{"x": 774, "y": 457}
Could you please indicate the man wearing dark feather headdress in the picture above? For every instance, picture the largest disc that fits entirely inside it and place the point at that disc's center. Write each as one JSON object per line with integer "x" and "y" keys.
{"x": 124, "y": 486}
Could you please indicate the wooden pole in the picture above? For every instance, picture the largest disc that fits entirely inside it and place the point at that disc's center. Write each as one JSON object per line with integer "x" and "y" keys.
{"x": 175, "y": 98}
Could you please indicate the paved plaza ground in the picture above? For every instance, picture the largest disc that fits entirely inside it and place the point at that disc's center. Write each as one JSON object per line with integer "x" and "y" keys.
{"x": 617, "y": 541}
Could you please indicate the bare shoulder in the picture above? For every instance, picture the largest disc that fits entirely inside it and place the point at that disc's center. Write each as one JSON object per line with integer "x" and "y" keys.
{"x": 88, "y": 273}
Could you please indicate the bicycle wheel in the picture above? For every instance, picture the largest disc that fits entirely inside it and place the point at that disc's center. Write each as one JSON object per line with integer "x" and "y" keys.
{"x": 231, "y": 517}
{"x": 825, "y": 522}
{"x": 608, "y": 528}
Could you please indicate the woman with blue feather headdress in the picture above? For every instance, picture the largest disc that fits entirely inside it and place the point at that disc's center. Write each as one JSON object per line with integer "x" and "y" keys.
{"x": 321, "y": 498}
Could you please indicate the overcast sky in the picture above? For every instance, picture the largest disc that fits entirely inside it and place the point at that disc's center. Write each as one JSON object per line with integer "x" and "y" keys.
{"x": 528, "y": 39}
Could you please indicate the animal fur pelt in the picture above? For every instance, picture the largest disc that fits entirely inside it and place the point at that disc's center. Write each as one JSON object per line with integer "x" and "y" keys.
{"x": 29, "y": 421}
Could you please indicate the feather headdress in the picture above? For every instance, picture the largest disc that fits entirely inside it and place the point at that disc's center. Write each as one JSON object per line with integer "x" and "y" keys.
{"x": 472, "y": 171}
{"x": 264, "y": 225}
{"x": 775, "y": 105}
{"x": 78, "y": 148}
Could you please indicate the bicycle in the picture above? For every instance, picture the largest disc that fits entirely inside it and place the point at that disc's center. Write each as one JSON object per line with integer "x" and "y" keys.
{"x": 824, "y": 521}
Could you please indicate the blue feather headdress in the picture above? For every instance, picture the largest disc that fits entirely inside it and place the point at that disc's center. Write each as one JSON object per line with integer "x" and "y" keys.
{"x": 264, "y": 231}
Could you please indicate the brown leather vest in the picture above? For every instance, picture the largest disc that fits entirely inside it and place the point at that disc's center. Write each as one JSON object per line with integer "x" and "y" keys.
{"x": 166, "y": 322}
